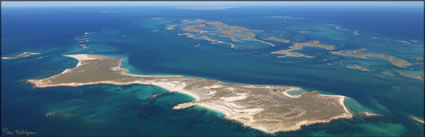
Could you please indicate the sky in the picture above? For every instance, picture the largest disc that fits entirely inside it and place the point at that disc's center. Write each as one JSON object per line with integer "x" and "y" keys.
{"x": 5, "y": 4}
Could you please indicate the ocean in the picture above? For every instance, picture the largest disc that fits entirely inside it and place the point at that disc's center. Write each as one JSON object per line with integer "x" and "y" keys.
{"x": 147, "y": 48}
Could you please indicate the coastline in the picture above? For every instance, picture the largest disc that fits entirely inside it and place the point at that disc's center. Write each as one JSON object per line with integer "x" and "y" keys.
{"x": 174, "y": 88}
{"x": 341, "y": 101}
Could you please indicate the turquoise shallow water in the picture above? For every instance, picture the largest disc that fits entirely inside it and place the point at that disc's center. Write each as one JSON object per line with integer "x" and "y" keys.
{"x": 149, "y": 49}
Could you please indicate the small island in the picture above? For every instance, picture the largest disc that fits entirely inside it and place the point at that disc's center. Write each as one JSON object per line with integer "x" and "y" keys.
{"x": 304, "y": 31}
{"x": 404, "y": 74}
{"x": 22, "y": 55}
{"x": 357, "y": 67}
{"x": 267, "y": 108}
{"x": 204, "y": 37}
{"x": 388, "y": 73}
{"x": 214, "y": 30}
{"x": 84, "y": 46}
{"x": 299, "y": 46}
{"x": 277, "y": 39}
{"x": 359, "y": 54}
{"x": 156, "y": 18}
{"x": 170, "y": 27}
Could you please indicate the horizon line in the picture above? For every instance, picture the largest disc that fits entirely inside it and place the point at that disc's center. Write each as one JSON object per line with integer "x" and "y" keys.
{"x": 6, "y": 4}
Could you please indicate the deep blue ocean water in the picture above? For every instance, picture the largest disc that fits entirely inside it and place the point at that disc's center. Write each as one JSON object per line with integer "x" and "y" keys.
{"x": 149, "y": 49}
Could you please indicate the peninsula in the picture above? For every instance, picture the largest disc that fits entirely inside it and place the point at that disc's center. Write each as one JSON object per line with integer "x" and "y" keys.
{"x": 267, "y": 108}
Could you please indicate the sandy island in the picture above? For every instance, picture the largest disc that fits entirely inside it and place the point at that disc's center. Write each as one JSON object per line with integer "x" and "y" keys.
{"x": 266, "y": 108}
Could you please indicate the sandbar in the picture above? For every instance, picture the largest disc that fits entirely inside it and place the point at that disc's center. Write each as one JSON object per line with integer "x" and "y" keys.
{"x": 418, "y": 119}
{"x": 22, "y": 55}
{"x": 369, "y": 114}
